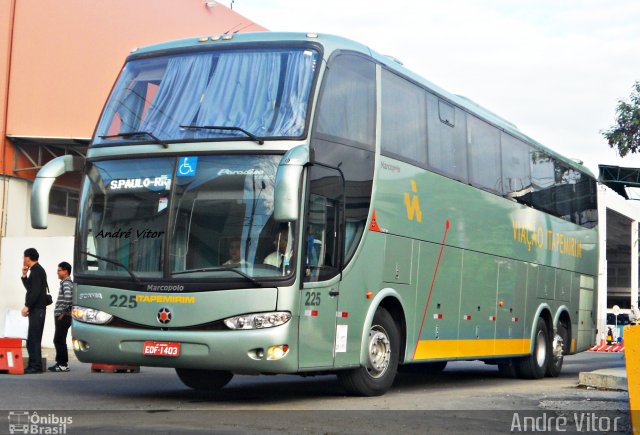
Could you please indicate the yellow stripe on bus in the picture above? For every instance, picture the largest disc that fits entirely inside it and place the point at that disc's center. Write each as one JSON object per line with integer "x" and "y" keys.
{"x": 442, "y": 349}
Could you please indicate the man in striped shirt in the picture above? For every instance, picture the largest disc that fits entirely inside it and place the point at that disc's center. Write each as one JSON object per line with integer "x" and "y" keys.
{"x": 62, "y": 316}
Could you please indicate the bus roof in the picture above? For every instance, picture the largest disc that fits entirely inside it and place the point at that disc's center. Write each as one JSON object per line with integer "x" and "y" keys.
{"x": 331, "y": 43}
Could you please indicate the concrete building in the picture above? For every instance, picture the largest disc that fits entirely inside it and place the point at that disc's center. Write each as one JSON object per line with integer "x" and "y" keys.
{"x": 58, "y": 62}
{"x": 618, "y": 219}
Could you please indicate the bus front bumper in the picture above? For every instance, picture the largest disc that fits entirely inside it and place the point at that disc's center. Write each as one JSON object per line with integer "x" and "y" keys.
{"x": 269, "y": 350}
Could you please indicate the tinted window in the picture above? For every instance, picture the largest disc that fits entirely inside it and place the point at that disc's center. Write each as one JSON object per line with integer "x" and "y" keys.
{"x": 516, "y": 169}
{"x": 323, "y": 253}
{"x": 543, "y": 180}
{"x": 565, "y": 181}
{"x": 559, "y": 190}
{"x": 346, "y": 116}
{"x": 58, "y": 202}
{"x": 484, "y": 154}
{"x": 404, "y": 119}
{"x": 347, "y": 104}
{"x": 446, "y": 113}
{"x": 586, "y": 203}
{"x": 63, "y": 202}
{"x": 447, "y": 152}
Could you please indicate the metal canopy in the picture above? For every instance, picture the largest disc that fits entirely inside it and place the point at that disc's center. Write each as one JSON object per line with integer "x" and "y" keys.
{"x": 617, "y": 178}
{"x": 39, "y": 151}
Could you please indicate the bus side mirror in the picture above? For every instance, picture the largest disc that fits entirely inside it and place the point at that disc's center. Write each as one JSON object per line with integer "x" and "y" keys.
{"x": 42, "y": 186}
{"x": 287, "y": 187}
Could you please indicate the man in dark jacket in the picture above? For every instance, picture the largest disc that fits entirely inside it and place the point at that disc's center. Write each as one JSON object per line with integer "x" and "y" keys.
{"x": 35, "y": 307}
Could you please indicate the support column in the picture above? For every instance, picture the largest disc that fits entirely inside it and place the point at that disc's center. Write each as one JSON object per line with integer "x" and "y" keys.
{"x": 602, "y": 264}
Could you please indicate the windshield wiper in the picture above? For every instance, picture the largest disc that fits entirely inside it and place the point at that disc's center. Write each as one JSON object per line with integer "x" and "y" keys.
{"x": 136, "y": 133}
{"x": 250, "y": 135}
{"x": 224, "y": 268}
{"x": 112, "y": 261}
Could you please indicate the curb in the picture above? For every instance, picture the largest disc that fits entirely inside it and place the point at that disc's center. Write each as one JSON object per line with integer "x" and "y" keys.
{"x": 609, "y": 379}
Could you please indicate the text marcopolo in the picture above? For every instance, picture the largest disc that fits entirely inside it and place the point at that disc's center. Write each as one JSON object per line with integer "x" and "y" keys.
{"x": 164, "y": 288}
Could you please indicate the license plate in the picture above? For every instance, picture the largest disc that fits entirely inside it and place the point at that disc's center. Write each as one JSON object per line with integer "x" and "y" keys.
{"x": 161, "y": 348}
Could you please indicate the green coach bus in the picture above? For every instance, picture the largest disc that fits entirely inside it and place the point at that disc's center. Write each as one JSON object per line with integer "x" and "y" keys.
{"x": 296, "y": 203}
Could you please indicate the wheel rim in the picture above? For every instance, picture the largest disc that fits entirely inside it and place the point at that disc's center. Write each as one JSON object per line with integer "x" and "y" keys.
{"x": 558, "y": 349}
{"x": 541, "y": 348}
{"x": 379, "y": 352}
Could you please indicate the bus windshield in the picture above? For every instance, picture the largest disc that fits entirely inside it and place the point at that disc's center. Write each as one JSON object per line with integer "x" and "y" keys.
{"x": 214, "y": 212}
{"x": 211, "y": 95}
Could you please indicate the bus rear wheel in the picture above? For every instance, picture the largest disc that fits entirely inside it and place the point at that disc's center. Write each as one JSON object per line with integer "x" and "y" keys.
{"x": 559, "y": 349}
{"x": 534, "y": 366}
{"x": 376, "y": 377}
{"x": 204, "y": 380}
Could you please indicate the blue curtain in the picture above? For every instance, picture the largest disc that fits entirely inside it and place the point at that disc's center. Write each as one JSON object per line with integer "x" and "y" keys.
{"x": 242, "y": 92}
{"x": 265, "y": 93}
{"x": 178, "y": 98}
{"x": 291, "y": 119}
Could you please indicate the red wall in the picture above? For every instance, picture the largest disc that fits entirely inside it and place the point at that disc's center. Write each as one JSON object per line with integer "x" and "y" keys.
{"x": 66, "y": 54}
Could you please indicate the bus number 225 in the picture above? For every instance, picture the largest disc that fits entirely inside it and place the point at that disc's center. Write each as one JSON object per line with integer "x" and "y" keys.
{"x": 123, "y": 301}
{"x": 313, "y": 299}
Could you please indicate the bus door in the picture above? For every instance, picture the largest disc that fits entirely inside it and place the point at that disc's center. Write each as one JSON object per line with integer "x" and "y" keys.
{"x": 321, "y": 264}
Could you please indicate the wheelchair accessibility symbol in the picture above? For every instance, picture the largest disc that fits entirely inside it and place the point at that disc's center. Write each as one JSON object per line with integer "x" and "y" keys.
{"x": 187, "y": 166}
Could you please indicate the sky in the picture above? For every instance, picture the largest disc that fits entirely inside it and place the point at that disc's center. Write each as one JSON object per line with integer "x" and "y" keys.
{"x": 554, "y": 68}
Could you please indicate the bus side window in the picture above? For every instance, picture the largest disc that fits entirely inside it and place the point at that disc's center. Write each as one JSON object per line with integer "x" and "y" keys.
{"x": 344, "y": 136}
{"x": 447, "y": 138}
{"x": 516, "y": 170}
{"x": 346, "y": 109}
{"x": 404, "y": 120}
{"x": 323, "y": 234}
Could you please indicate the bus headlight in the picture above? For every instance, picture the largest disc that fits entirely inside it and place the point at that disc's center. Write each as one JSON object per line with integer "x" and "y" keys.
{"x": 258, "y": 320}
{"x": 90, "y": 315}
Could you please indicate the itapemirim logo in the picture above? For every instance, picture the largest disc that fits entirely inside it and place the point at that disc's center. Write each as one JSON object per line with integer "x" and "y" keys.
{"x": 28, "y": 422}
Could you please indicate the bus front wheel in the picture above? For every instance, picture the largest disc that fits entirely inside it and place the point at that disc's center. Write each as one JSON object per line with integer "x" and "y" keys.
{"x": 534, "y": 366}
{"x": 204, "y": 380}
{"x": 381, "y": 366}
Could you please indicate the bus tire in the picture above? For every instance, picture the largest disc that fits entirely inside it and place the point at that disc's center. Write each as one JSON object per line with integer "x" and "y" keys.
{"x": 557, "y": 355}
{"x": 534, "y": 366}
{"x": 204, "y": 380}
{"x": 383, "y": 349}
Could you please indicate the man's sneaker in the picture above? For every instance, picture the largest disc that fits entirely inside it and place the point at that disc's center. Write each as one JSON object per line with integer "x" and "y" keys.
{"x": 58, "y": 368}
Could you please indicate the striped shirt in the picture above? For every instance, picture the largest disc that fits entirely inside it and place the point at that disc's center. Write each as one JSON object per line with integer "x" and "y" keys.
{"x": 65, "y": 297}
